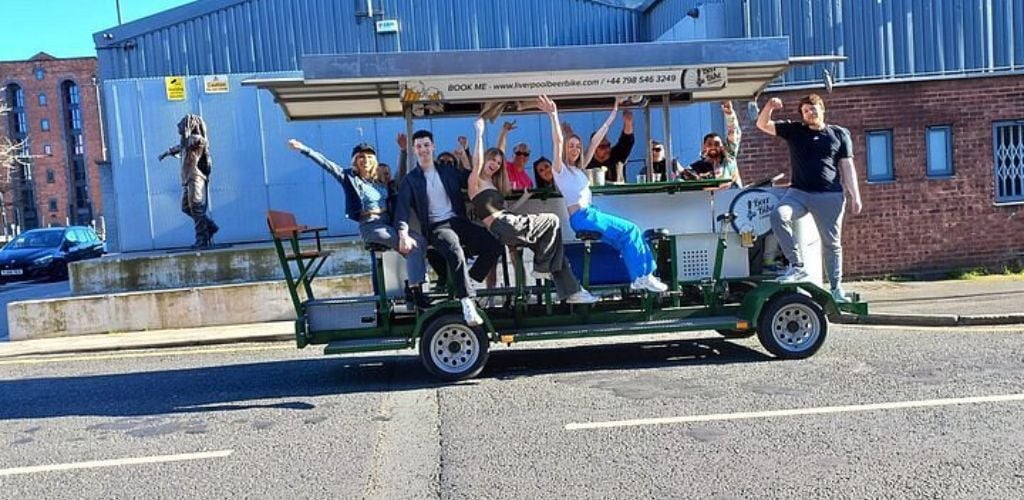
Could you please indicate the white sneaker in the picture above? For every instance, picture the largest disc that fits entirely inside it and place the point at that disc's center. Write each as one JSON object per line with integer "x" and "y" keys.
{"x": 469, "y": 313}
{"x": 540, "y": 275}
{"x": 794, "y": 274}
{"x": 650, "y": 282}
{"x": 581, "y": 297}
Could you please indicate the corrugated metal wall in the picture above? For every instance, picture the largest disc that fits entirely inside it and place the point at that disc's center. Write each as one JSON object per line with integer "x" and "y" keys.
{"x": 897, "y": 38}
{"x": 253, "y": 168}
{"x": 716, "y": 19}
{"x": 249, "y": 36}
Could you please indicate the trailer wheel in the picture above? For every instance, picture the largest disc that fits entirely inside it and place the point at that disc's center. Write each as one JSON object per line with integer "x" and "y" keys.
{"x": 451, "y": 350}
{"x": 792, "y": 326}
{"x": 736, "y": 334}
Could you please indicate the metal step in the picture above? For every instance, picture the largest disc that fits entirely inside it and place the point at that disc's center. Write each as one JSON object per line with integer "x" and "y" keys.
{"x": 627, "y": 328}
{"x": 368, "y": 345}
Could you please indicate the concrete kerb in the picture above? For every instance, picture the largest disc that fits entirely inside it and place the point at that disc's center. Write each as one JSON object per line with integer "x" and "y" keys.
{"x": 931, "y": 320}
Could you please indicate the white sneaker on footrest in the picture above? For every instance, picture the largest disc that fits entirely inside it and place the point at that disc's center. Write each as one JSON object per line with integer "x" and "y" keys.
{"x": 540, "y": 275}
{"x": 581, "y": 297}
{"x": 650, "y": 282}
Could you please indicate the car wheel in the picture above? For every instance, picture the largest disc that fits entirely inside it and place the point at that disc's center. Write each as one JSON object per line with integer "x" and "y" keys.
{"x": 792, "y": 326}
{"x": 451, "y": 350}
{"x": 59, "y": 271}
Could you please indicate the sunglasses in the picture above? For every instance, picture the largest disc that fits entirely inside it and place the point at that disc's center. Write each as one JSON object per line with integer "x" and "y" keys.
{"x": 657, "y": 150}
{"x": 604, "y": 145}
{"x": 522, "y": 153}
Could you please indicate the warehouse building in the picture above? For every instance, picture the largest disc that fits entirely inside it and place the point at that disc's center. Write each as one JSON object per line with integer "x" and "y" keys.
{"x": 932, "y": 92}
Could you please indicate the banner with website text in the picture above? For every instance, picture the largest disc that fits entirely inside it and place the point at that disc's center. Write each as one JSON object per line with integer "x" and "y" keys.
{"x": 513, "y": 86}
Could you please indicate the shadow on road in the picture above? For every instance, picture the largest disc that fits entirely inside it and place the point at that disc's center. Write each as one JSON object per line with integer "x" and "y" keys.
{"x": 238, "y": 387}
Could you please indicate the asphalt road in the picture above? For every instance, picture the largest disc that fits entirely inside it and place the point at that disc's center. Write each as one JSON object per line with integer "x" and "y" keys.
{"x": 28, "y": 290}
{"x": 268, "y": 421}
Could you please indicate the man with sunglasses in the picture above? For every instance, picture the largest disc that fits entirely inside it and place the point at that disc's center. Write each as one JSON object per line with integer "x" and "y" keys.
{"x": 659, "y": 162}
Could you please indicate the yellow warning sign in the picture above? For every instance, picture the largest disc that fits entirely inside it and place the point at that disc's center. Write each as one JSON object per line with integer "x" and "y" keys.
{"x": 175, "y": 86}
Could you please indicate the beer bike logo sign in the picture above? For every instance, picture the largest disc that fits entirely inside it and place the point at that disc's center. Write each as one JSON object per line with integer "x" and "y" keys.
{"x": 509, "y": 86}
{"x": 752, "y": 209}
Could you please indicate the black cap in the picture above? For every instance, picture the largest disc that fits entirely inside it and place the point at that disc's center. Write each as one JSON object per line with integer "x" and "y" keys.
{"x": 363, "y": 147}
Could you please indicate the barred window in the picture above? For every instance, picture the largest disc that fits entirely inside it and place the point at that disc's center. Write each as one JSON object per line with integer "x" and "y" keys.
{"x": 1008, "y": 148}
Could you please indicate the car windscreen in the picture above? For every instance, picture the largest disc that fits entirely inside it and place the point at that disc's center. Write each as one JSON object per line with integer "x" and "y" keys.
{"x": 44, "y": 239}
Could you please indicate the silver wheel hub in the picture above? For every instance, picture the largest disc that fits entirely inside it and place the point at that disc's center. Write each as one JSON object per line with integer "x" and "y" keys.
{"x": 454, "y": 348}
{"x": 796, "y": 327}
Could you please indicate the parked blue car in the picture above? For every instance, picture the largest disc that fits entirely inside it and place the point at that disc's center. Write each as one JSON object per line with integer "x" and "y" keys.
{"x": 45, "y": 253}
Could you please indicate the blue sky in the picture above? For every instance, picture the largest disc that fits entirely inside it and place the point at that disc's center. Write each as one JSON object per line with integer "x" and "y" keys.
{"x": 64, "y": 28}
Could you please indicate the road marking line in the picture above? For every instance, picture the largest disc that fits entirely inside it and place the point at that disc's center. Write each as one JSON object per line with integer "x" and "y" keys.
{"x": 796, "y": 412}
{"x": 33, "y": 361}
{"x": 115, "y": 462}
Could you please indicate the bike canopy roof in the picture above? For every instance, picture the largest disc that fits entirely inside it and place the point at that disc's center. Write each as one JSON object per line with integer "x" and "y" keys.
{"x": 471, "y": 82}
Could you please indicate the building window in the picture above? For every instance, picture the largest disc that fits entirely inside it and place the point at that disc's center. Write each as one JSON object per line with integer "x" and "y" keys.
{"x": 1008, "y": 147}
{"x": 17, "y": 123}
{"x": 880, "y": 168}
{"x": 50, "y": 178}
{"x": 44, "y": 125}
{"x": 79, "y": 145}
{"x": 939, "y": 141}
{"x": 47, "y": 150}
{"x": 53, "y": 205}
{"x": 40, "y": 73}
{"x": 42, "y": 99}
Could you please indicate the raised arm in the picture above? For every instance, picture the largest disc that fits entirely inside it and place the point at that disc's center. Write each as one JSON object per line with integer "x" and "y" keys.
{"x": 732, "y": 130}
{"x": 329, "y": 166}
{"x": 478, "y": 158}
{"x": 600, "y": 134}
{"x": 764, "y": 120}
{"x": 403, "y": 155}
{"x": 461, "y": 153}
{"x": 557, "y": 157}
{"x": 503, "y": 135}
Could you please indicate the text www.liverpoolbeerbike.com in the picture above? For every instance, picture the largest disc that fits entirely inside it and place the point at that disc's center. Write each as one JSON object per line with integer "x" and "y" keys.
{"x": 546, "y": 84}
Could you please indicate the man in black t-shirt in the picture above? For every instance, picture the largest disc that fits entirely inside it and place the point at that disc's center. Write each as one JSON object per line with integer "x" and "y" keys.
{"x": 824, "y": 179}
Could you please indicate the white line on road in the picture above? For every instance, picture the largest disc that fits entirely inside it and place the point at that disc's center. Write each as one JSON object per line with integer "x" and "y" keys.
{"x": 796, "y": 412}
{"x": 115, "y": 462}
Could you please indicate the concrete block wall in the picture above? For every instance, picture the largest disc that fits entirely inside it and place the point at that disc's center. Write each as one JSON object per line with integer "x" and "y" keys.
{"x": 164, "y": 309}
{"x": 237, "y": 264}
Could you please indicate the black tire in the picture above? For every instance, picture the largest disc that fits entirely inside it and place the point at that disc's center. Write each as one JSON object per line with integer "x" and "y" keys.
{"x": 737, "y": 334}
{"x": 451, "y": 350}
{"x": 792, "y": 326}
{"x": 59, "y": 271}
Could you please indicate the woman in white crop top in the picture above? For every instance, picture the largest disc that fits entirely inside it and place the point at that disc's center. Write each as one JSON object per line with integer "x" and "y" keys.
{"x": 573, "y": 183}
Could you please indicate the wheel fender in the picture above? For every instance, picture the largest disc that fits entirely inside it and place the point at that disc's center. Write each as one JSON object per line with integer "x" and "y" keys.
{"x": 756, "y": 299}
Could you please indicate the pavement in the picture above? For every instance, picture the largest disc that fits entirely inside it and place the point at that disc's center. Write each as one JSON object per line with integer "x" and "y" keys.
{"x": 989, "y": 300}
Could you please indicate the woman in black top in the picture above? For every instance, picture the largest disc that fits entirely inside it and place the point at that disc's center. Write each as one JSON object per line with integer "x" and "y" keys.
{"x": 541, "y": 233}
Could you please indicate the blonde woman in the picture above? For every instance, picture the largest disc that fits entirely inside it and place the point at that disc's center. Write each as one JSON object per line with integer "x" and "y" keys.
{"x": 366, "y": 202}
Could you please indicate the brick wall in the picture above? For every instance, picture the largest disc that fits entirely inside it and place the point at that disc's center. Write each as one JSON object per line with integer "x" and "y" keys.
{"x": 916, "y": 223}
{"x": 56, "y": 71}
